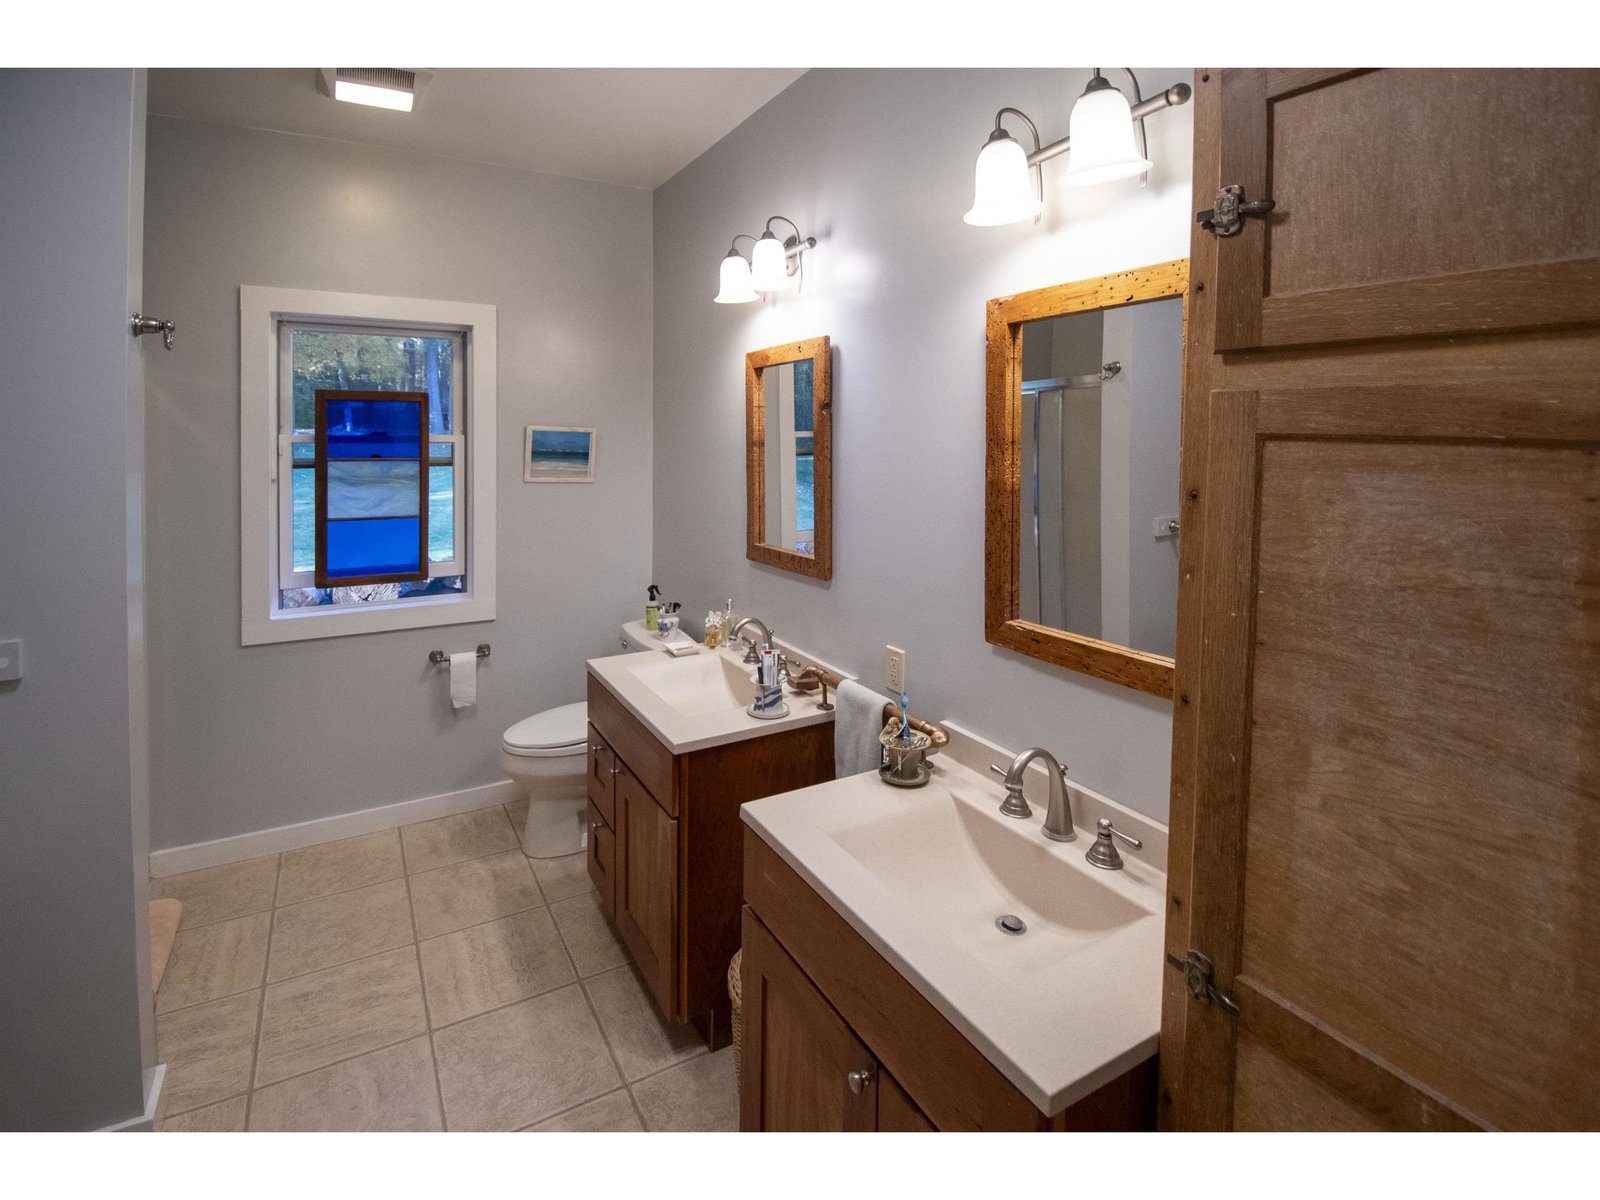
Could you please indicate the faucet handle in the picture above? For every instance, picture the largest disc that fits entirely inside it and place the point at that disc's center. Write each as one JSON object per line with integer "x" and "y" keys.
{"x": 1015, "y": 804}
{"x": 1103, "y": 853}
{"x": 1104, "y": 827}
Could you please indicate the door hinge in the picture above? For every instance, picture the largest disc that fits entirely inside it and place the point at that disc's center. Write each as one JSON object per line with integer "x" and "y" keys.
{"x": 1227, "y": 218}
{"x": 1197, "y": 973}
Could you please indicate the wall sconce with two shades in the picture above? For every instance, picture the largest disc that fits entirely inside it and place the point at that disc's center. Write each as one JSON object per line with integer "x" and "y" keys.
{"x": 773, "y": 266}
{"x": 1100, "y": 135}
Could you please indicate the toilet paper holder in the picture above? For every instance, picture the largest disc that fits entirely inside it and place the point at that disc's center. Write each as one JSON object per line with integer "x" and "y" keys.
{"x": 439, "y": 657}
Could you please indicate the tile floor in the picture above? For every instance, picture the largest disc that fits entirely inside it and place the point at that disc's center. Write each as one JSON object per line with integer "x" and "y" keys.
{"x": 430, "y": 977}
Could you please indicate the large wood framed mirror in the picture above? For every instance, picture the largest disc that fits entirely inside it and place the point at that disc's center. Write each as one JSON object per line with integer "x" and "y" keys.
{"x": 788, "y": 394}
{"x": 1084, "y": 385}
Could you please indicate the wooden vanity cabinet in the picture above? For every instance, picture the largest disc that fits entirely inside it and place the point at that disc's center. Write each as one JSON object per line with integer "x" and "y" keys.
{"x": 835, "y": 1039}
{"x": 666, "y": 846}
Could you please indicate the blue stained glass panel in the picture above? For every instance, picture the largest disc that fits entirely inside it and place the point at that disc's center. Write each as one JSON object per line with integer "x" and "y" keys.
{"x": 383, "y": 546}
{"x": 374, "y": 429}
{"x": 373, "y": 489}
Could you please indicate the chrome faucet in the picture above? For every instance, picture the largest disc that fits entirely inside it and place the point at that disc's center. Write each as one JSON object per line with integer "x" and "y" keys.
{"x": 752, "y": 655}
{"x": 1058, "y": 818}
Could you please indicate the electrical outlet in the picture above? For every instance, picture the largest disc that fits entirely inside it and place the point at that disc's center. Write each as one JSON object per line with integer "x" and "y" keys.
{"x": 895, "y": 669}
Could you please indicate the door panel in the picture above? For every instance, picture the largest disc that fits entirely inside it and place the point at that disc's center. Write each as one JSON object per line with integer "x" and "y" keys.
{"x": 1272, "y": 1095}
{"x": 897, "y": 1112}
{"x": 1408, "y": 202}
{"x": 1421, "y": 684}
{"x": 797, "y": 1053}
{"x": 647, "y": 886}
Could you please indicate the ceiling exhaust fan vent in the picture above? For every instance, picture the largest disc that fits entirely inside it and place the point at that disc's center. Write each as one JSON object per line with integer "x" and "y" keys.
{"x": 389, "y": 77}
{"x": 405, "y": 80}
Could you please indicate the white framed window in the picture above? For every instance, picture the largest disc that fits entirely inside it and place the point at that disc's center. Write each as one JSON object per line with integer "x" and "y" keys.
{"x": 294, "y": 343}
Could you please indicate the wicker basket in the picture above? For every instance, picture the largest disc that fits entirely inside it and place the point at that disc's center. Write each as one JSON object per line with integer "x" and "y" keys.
{"x": 736, "y": 994}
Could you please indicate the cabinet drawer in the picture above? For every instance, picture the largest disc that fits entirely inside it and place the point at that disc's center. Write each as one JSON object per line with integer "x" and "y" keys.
{"x": 633, "y": 744}
{"x": 602, "y": 777}
{"x": 603, "y": 860}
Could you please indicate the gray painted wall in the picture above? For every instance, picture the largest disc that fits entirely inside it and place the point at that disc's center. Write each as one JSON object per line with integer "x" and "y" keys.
{"x": 74, "y": 974}
{"x": 248, "y": 738}
{"x": 878, "y": 164}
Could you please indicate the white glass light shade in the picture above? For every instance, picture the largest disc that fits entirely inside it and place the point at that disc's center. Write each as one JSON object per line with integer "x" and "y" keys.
{"x": 1002, "y": 189}
{"x": 769, "y": 266}
{"x": 1101, "y": 131}
{"x": 736, "y": 287}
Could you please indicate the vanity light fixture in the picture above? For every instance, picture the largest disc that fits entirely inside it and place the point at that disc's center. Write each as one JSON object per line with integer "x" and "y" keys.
{"x": 773, "y": 266}
{"x": 1100, "y": 135}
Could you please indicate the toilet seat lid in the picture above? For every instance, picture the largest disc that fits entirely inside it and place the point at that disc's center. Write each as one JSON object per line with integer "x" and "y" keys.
{"x": 555, "y": 729}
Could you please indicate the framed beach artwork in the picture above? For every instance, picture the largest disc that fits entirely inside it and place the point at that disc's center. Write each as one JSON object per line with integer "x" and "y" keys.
{"x": 558, "y": 454}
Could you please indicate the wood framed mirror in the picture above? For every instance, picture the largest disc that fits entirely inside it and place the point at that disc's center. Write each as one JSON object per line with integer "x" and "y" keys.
{"x": 788, "y": 404}
{"x": 1084, "y": 386}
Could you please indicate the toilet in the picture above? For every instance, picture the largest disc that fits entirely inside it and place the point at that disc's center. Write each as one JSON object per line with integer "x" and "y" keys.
{"x": 546, "y": 755}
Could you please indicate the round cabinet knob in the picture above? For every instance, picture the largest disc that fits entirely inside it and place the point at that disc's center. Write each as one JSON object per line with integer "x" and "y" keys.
{"x": 858, "y": 1080}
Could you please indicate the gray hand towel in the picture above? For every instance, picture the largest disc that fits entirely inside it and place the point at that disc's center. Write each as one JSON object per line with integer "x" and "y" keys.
{"x": 857, "y": 722}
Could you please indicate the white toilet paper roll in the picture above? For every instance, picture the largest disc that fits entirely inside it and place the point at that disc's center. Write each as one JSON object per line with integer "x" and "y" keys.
{"x": 464, "y": 679}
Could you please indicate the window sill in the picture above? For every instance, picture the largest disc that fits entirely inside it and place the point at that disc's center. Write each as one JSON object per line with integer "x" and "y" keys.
{"x": 306, "y": 624}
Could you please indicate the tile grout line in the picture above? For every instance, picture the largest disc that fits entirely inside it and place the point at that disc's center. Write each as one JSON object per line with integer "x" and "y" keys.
{"x": 427, "y": 1008}
{"x": 627, "y": 1084}
{"x": 261, "y": 1002}
{"x": 574, "y": 1108}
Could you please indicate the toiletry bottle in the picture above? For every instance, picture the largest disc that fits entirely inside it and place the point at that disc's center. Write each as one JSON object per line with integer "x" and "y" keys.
{"x": 652, "y": 609}
{"x": 728, "y": 622}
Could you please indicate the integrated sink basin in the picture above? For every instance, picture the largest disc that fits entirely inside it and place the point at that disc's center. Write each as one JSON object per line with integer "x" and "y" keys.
{"x": 697, "y": 701}
{"x": 968, "y": 870}
{"x": 703, "y": 683}
{"x": 928, "y": 876}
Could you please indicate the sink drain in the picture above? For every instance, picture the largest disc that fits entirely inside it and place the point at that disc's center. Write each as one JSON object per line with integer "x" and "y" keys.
{"x": 1015, "y": 926}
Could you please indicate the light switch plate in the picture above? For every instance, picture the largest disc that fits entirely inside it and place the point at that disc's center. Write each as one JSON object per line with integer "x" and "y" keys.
{"x": 10, "y": 661}
{"x": 895, "y": 668}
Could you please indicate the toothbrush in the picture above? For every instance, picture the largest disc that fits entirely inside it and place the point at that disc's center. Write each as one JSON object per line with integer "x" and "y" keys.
{"x": 905, "y": 728}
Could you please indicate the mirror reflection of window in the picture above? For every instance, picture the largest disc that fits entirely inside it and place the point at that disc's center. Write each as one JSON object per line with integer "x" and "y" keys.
{"x": 1099, "y": 476}
{"x": 790, "y": 447}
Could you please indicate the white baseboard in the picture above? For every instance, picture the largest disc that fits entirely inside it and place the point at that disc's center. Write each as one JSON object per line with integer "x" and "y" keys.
{"x": 155, "y": 1084}
{"x": 178, "y": 859}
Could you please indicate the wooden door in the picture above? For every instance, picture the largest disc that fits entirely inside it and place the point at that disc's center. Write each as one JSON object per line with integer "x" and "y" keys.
{"x": 797, "y": 1056}
{"x": 1386, "y": 754}
{"x": 647, "y": 886}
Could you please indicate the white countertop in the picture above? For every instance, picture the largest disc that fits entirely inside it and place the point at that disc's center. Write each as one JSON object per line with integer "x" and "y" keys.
{"x": 696, "y": 716}
{"x": 1059, "y": 1015}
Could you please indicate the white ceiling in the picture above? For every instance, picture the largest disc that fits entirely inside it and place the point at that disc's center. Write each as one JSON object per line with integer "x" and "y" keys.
{"x": 636, "y": 128}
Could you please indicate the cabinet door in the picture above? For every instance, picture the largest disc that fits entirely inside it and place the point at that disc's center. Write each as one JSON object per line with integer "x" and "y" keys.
{"x": 647, "y": 886}
{"x": 602, "y": 777}
{"x": 897, "y": 1113}
{"x": 801, "y": 1069}
{"x": 603, "y": 860}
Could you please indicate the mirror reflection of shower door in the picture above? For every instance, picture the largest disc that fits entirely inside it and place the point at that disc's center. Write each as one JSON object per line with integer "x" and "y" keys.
{"x": 1059, "y": 582}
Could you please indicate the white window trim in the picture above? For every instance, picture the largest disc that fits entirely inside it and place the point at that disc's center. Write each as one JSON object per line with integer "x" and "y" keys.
{"x": 260, "y": 311}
